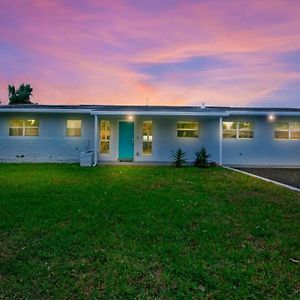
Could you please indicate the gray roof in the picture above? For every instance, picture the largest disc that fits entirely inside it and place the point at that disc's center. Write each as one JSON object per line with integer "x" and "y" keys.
{"x": 139, "y": 108}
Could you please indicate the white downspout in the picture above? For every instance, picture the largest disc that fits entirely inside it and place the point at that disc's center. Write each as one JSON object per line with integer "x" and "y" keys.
{"x": 95, "y": 140}
{"x": 220, "y": 141}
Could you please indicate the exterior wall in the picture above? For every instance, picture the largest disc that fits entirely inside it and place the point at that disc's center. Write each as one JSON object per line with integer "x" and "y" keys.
{"x": 263, "y": 149}
{"x": 52, "y": 144}
{"x": 165, "y": 138}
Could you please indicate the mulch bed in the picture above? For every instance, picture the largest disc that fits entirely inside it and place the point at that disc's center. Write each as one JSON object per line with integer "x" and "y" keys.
{"x": 287, "y": 176}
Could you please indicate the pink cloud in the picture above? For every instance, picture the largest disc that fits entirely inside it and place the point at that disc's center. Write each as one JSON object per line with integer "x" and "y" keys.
{"x": 91, "y": 52}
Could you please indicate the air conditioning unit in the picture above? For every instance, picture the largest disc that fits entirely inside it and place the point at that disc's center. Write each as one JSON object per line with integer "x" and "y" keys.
{"x": 86, "y": 158}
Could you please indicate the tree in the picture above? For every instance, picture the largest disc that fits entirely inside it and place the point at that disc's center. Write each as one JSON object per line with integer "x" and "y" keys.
{"x": 21, "y": 95}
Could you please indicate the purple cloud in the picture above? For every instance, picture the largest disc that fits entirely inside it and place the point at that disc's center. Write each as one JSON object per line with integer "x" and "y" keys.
{"x": 173, "y": 52}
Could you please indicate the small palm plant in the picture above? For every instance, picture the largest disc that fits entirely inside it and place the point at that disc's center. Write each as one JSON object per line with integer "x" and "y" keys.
{"x": 179, "y": 158}
{"x": 202, "y": 157}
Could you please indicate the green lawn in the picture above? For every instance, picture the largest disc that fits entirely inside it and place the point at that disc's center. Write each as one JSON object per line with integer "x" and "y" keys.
{"x": 146, "y": 232}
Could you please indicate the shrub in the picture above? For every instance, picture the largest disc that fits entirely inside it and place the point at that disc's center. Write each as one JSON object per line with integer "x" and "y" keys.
{"x": 201, "y": 160}
{"x": 179, "y": 158}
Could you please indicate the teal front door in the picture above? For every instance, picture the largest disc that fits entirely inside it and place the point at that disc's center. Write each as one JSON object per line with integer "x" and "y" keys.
{"x": 126, "y": 140}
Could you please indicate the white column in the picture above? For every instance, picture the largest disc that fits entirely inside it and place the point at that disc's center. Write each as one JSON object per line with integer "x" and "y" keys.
{"x": 220, "y": 141}
{"x": 96, "y": 140}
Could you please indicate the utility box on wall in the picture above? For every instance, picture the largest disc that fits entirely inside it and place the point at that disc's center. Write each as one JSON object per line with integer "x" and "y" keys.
{"x": 86, "y": 158}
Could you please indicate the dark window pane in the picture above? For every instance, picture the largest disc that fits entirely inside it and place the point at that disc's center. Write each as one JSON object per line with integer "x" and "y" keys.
{"x": 245, "y": 134}
{"x": 281, "y": 135}
{"x": 73, "y": 132}
{"x": 229, "y": 134}
{"x": 31, "y": 131}
{"x": 147, "y": 147}
{"x": 187, "y": 133}
{"x": 104, "y": 147}
{"x": 188, "y": 125}
{"x": 16, "y": 131}
{"x": 295, "y": 135}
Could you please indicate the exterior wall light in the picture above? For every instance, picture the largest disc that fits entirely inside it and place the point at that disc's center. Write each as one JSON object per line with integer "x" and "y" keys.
{"x": 271, "y": 118}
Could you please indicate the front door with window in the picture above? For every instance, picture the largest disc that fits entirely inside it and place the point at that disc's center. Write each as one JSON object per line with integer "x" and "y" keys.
{"x": 126, "y": 141}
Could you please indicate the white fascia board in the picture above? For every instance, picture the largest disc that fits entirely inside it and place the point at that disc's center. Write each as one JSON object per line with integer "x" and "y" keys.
{"x": 32, "y": 110}
{"x": 263, "y": 113}
{"x": 158, "y": 113}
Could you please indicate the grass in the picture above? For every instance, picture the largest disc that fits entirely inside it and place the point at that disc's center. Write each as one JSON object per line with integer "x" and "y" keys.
{"x": 145, "y": 232}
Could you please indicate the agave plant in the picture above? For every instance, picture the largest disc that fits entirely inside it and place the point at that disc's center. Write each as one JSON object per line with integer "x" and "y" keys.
{"x": 179, "y": 158}
{"x": 202, "y": 157}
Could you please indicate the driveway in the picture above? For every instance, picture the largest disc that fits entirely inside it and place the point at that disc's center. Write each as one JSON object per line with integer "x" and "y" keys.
{"x": 287, "y": 176}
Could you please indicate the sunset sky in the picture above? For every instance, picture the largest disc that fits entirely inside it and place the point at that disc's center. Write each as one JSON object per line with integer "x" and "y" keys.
{"x": 172, "y": 52}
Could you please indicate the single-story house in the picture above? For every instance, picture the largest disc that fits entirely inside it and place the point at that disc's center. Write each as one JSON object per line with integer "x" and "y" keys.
{"x": 240, "y": 136}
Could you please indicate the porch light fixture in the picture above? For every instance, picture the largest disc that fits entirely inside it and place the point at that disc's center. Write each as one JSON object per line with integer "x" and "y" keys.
{"x": 130, "y": 118}
{"x": 271, "y": 118}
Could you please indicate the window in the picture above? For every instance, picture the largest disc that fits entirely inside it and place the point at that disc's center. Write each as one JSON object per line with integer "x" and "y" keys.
{"x": 245, "y": 130}
{"x": 147, "y": 137}
{"x": 295, "y": 130}
{"x": 282, "y": 131}
{"x": 104, "y": 137}
{"x": 229, "y": 130}
{"x": 287, "y": 131}
{"x": 23, "y": 127}
{"x": 238, "y": 130}
{"x": 188, "y": 129}
{"x": 73, "y": 127}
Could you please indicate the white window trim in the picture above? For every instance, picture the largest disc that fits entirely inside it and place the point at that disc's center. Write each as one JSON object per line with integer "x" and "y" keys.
{"x": 23, "y": 128}
{"x": 188, "y": 129}
{"x": 237, "y": 130}
{"x": 245, "y": 130}
{"x": 147, "y": 154}
{"x": 289, "y": 130}
{"x": 74, "y": 136}
{"x": 105, "y": 140}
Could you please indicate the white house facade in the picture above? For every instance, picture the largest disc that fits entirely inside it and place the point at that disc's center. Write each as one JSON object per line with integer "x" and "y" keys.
{"x": 231, "y": 135}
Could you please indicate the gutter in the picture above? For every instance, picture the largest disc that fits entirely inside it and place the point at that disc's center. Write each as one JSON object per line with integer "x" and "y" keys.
{"x": 45, "y": 110}
{"x": 93, "y": 112}
{"x": 263, "y": 113}
{"x": 158, "y": 113}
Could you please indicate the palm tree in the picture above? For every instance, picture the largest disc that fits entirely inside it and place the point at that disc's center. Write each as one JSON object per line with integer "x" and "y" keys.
{"x": 20, "y": 96}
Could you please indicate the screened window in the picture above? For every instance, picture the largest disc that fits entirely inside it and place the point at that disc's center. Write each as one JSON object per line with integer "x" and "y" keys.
{"x": 104, "y": 137}
{"x": 147, "y": 137}
{"x": 188, "y": 129}
{"x": 23, "y": 127}
{"x": 287, "y": 130}
{"x": 238, "y": 130}
{"x": 73, "y": 127}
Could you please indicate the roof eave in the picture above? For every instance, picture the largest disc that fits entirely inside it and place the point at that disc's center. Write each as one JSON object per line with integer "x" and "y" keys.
{"x": 159, "y": 113}
{"x": 263, "y": 113}
{"x": 45, "y": 110}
